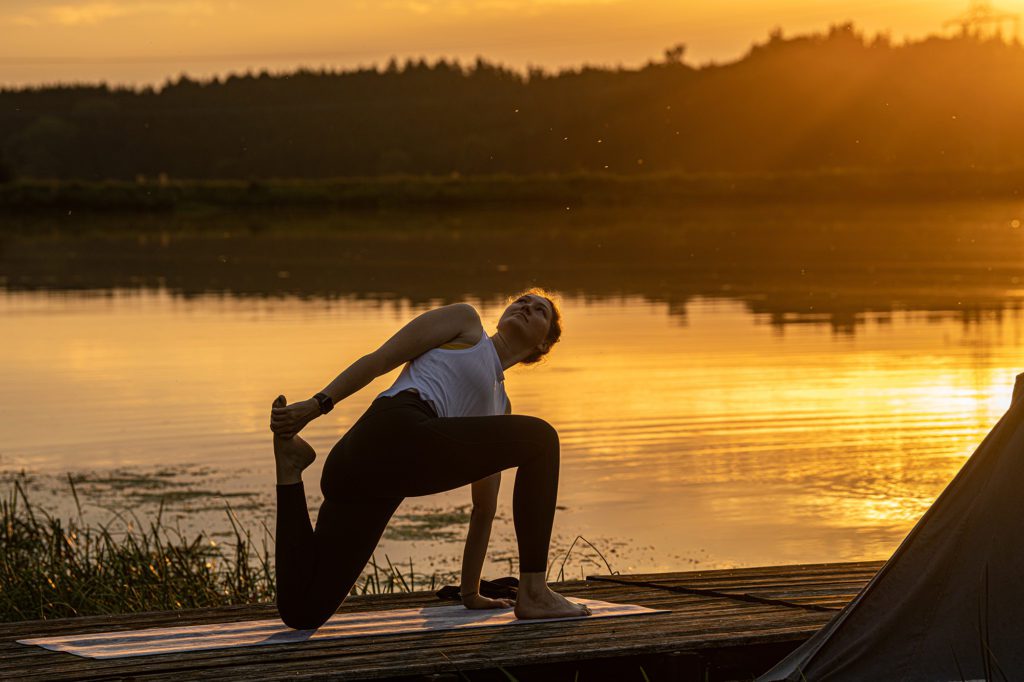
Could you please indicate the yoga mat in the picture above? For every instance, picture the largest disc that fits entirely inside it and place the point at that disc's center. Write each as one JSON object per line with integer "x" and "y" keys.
{"x": 260, "y": 632}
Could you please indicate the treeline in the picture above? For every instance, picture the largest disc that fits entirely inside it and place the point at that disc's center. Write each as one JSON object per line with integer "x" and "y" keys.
{"x": 835, "y": 100}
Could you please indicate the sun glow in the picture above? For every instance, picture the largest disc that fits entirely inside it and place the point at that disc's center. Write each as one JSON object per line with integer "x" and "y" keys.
{"x": 147, "y": 42}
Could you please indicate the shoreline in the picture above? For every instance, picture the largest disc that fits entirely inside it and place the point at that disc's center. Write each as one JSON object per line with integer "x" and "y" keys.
{"x": 568, "y": 191}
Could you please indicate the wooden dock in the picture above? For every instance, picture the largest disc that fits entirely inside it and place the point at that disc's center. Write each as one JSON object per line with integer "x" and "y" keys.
{"x": 723, "y": 625}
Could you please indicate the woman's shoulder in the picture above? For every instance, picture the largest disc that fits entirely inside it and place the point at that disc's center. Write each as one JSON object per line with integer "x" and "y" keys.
{"x": 469, "y": 308}
{"x": 472, "y": 331}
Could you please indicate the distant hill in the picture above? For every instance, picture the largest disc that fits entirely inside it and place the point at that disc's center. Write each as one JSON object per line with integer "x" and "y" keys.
{"x": 835, "y": 100}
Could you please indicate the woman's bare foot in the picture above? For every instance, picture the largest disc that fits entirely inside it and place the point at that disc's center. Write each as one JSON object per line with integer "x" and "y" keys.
{"x": 535, "y": 599}
{"x": 292, "y": 454}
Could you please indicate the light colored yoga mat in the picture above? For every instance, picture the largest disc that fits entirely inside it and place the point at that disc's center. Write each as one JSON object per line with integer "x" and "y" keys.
{"x": 259, "y": 632}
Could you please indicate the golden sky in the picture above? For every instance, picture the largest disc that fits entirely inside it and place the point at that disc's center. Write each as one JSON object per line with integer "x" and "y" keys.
{"x": 146, "y": 41}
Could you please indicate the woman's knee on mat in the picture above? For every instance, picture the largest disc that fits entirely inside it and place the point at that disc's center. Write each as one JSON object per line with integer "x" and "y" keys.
{"x": 303, "y": 616}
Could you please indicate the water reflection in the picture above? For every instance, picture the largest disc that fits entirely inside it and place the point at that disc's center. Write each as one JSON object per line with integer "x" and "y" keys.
{"x": 822, "y": 265}
{"x": 692, "y": 436}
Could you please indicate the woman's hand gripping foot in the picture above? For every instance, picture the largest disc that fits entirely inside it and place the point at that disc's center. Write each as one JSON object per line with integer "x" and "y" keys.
{"x": 287, "y": 420}
{"x": 535, "y": 599}
{"x": 292, "y": 454}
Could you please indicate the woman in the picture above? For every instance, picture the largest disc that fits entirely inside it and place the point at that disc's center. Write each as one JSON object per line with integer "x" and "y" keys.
{"x": 444, "y": 423}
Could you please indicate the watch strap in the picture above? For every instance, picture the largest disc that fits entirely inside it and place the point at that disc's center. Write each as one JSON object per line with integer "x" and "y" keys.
{"x": 326, "y": 404}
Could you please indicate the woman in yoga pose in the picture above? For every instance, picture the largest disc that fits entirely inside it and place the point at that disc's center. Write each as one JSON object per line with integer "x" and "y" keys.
{"x": 446, "y": 422}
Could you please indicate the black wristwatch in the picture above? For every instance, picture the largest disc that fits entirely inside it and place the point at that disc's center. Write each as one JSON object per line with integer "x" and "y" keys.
{"x": 326, "y": 404}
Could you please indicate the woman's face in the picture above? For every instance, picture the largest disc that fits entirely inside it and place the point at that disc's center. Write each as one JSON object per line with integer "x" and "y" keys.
{"x": 527, "y": 318}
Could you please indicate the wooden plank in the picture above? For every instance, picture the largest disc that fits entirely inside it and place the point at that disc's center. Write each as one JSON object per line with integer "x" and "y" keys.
{"x": 697, "y": 622}
{"x": 467, "y": 655}
{"x": 733, "y": 577}
{"x": 699, "y": 629}
{"x": 563, "y": 647}
{"x": 828, "y": 587}
{"x": 750, "y": 573}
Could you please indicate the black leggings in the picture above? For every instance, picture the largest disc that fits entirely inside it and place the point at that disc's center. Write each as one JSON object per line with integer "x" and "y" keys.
{"x": 400, "y": 448}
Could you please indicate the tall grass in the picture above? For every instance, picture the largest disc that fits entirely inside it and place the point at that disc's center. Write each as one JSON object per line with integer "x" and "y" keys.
{"x": 54, "y": 568}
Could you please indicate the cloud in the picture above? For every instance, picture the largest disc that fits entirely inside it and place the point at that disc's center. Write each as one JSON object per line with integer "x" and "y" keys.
{"x": 92, "y": 13}
{"x": 469, "y": 6}
{"x": 21, "y": 20}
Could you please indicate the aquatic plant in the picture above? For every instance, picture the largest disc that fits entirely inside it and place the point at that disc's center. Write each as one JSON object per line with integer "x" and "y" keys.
{"x": 54, "y": 568}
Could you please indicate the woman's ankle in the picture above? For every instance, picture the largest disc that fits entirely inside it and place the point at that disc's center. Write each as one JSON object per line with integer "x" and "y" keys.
{"x": 288, "y": 475}
{"x": 533, "y": 582}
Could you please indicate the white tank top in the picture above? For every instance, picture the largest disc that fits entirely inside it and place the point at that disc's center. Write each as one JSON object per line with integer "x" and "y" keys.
{"x": 465, "y": 382}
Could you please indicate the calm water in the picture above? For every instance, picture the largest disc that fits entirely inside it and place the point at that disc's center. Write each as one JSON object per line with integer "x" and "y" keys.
{"x": 723, "y": 398}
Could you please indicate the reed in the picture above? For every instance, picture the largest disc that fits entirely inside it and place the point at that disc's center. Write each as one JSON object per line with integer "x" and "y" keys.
{"x": 55, "y": 568}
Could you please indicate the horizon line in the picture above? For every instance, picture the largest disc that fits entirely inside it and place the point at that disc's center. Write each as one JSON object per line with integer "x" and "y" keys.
{"x": 403, "y": 59}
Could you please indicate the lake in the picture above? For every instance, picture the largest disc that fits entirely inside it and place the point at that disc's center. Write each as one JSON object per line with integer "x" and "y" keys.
{"x": 735, "y": 386}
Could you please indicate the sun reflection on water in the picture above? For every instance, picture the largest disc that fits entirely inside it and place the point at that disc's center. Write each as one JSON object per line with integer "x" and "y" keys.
{"x": 720, "y": 438}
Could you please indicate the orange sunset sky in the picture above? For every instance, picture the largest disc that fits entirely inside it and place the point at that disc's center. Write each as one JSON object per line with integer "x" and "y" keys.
{"x": 146, "y": 41}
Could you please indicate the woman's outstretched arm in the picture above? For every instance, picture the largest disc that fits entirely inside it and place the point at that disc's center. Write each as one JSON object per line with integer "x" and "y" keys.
{"x": 429, "y": 330}
{"x": 485, "y": 503}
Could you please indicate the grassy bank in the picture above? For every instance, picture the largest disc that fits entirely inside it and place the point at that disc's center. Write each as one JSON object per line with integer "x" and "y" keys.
{"x": 165, "y": 195}
{"x": 56, "y": 568}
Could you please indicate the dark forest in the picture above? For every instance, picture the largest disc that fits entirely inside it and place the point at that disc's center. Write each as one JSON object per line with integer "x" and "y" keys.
{"x": 834, "y": 100}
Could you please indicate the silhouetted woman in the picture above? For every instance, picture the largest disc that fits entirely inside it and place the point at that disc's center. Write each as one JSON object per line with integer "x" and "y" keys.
{"x": 444, "y": 423}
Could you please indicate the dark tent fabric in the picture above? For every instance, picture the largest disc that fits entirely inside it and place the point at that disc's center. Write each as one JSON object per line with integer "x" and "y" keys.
{"x": 949, "y": 603}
